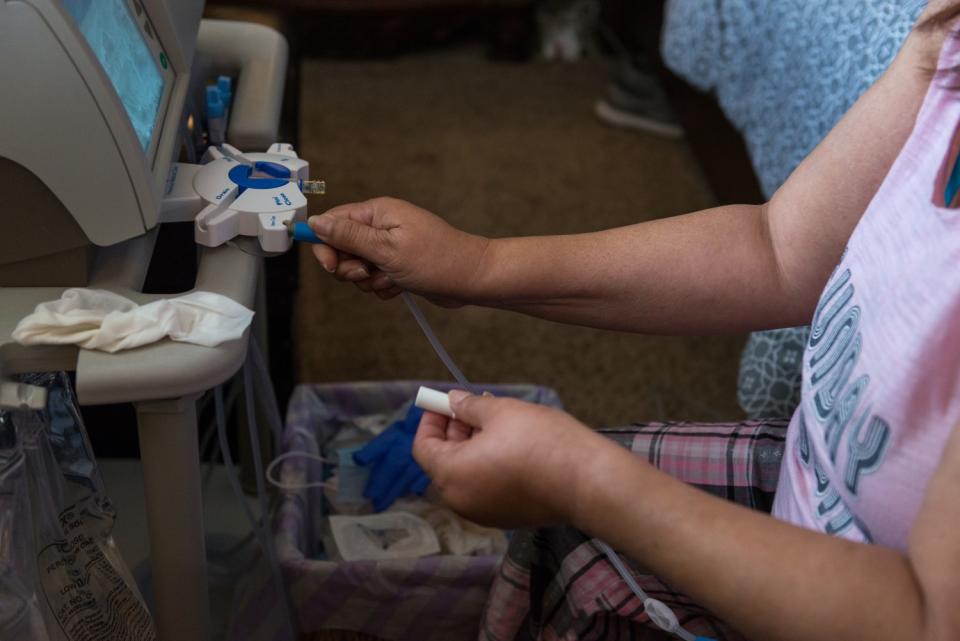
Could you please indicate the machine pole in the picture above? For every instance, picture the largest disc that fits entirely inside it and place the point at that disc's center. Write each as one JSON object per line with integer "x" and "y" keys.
{"x": 172, "y": 486}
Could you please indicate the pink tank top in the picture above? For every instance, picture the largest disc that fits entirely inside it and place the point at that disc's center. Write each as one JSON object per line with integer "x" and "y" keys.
{"x": 881, "y": 369}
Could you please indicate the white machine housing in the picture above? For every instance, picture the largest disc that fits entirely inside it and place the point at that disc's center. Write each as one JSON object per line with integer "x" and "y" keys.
{"x": 240, "y": 194}
{"x": 77, "y": 169}
{"x": 63, "y": 120}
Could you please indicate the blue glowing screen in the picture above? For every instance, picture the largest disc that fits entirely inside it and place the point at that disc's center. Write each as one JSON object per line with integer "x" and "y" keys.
{"x": 118, "y": 44}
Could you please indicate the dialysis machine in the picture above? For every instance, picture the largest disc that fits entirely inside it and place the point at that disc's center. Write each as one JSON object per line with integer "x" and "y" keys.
{"x": 94, "y": 112}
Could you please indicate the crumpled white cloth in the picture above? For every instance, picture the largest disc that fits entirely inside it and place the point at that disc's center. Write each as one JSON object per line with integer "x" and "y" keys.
{"x": 102, "y": 320}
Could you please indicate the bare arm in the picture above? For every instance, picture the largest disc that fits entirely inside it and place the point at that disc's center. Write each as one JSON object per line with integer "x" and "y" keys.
{"x": 529, "y": 465}
{"x": 772, "y": 580}
{"x": 731, "y": 268}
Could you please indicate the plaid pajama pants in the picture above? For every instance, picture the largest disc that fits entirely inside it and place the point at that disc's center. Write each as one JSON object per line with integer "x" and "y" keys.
{"x": 555, "y": 583}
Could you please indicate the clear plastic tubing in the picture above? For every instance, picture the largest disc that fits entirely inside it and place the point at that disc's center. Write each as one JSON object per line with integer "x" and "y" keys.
{"x": 435, "y": 343}
{"x": 261, "y": 527}
{"x": 268, "y": 401}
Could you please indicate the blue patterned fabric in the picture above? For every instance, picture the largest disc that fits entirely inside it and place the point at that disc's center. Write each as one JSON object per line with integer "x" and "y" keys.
{"x": 784, "y": 72}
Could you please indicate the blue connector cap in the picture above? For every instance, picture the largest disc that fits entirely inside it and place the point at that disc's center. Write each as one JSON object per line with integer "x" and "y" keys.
{"x": 215, "y": 108}
{"x": 301, "y": 231}
{"x": 225, "y": 85}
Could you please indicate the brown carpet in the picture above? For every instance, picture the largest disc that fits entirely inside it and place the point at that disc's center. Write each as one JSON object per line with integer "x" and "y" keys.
{"x": 499, "y": 150}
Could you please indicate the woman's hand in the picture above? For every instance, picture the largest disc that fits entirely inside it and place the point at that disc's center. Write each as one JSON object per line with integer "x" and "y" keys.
{"x": 509, "y": 463}
{"x": 387, "y": 245}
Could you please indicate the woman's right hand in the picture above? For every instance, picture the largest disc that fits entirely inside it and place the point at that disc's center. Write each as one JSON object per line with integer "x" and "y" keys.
{"x": 387, "y": 245}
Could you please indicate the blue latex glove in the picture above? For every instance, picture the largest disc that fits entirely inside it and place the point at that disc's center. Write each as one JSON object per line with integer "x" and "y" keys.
{"x": 394, "y": 473}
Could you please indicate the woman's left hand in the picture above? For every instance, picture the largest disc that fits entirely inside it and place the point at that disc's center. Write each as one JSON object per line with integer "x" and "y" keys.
{"x": 506, "y": 462}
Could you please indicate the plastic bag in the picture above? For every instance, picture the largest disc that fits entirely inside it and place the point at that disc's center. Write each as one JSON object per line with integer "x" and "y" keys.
{"x": 61, "y": 574}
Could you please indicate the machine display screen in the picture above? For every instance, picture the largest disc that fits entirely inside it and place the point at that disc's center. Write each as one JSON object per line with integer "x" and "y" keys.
{"x": 117, "y": 42}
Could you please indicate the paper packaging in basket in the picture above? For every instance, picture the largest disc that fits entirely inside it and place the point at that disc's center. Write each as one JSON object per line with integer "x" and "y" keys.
{"x": 377, "y": 537}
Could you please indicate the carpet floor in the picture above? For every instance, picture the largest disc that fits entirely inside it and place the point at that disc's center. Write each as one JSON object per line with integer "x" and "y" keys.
{"x": 499, "y": 150}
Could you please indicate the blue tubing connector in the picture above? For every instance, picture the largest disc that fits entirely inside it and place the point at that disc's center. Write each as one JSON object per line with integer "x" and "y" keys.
{"x": 301, "y": 231}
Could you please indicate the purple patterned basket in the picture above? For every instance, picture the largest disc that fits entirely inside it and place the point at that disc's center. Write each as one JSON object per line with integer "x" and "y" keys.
{"x": 436, "y": 598}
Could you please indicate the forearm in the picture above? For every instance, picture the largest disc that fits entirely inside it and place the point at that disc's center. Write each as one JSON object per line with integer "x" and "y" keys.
{"x": 768, "y": 579}
{"x": 711, "y": 271}
{"x": 732, "y": 268}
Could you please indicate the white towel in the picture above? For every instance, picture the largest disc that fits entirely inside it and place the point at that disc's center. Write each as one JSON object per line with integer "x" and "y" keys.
{"x": 98, "y": 319}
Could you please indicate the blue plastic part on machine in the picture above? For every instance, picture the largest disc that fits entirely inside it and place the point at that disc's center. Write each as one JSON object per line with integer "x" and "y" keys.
{"x": 704, "y": 639}
{"x": 225, "y": 86}
{"x": 242, "y": 176}
{"x": 272, "y": 169}
{"x": 215, "y": 106}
